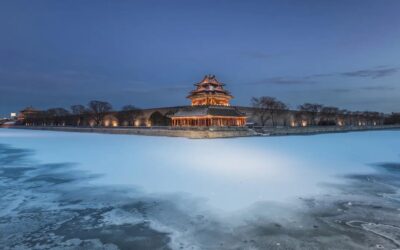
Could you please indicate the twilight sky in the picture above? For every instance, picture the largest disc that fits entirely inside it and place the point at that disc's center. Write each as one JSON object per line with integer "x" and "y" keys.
{"x": 149, "y": 53}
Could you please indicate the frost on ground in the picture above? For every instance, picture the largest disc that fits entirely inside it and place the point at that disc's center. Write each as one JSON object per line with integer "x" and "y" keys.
{"x": 56, "y": 206}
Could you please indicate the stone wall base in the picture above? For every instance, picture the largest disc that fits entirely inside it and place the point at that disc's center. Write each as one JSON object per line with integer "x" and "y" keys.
{"x": 212, "y": 132}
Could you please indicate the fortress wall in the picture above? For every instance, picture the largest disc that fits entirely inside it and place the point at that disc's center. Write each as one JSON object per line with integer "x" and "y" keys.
{"x": 167, "y": 131}
{"x": 214, "y": 132}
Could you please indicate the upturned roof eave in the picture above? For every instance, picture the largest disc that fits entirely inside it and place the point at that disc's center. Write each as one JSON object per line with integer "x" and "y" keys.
{"x": 193, "y": 93}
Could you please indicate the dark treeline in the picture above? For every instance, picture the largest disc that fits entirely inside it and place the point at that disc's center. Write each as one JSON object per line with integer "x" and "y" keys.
{"x": 96, "y": 113}
{"x": 393, "y": 118}
{"x": 267, "y": 111}
{"x": 314, "y": 114}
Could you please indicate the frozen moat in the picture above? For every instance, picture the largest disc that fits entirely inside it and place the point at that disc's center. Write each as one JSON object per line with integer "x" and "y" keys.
{"x": 97, "y": 191}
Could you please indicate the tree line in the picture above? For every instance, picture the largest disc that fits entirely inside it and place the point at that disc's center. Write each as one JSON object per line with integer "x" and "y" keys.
{"x": 79, "y": 115}
{"x": 268, "y": 108}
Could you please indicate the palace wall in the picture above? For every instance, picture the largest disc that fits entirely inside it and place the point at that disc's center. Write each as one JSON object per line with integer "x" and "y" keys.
{"x": 283, "y": 119}
{"x": 289, "y": 118}
{"x": 160, "y": 117}
{"x": 212, "y": 132}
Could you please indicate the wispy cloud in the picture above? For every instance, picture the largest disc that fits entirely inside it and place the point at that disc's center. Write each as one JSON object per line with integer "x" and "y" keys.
{"x": 258, "y": 55}
{"x": 261, "y": 55}
{"x": 374, "y": 73}
{"x": 371, "y": 73}
{"x": 341, "y": 90}
{"x": 366, "y": 88}
{"x": 157, "y": 90}
{"x": 319, "y": 75}
{"x": 285, "y": 81}
{"x": 374, "y": 88}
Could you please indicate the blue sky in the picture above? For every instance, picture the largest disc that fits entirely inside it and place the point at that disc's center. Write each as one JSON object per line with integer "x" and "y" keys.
{"x": 149, "y": 53}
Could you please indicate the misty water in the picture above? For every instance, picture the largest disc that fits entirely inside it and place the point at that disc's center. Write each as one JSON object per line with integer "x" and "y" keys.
{"x": 64, "y": 190}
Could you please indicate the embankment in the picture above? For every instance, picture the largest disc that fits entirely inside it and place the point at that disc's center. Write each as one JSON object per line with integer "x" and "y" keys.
{"x": 212, "y": 132}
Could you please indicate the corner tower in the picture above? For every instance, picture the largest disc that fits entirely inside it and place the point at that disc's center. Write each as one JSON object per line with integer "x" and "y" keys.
{"x": 210, "y": 107}
{"x": 210, "y": 92}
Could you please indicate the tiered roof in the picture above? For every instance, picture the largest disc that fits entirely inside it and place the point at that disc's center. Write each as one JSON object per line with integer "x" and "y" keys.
{"x": 201, "y": 111}
{"x": 209, "y": 85}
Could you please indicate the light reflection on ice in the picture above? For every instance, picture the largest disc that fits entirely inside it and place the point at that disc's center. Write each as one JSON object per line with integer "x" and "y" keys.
{"x": 236, "y": 162}
{"x": 229, "y": 174}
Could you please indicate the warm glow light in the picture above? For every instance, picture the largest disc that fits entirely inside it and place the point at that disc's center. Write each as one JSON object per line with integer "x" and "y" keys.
{"x": 303, "y": 123}
{"x": 239, "y": 162}
{"x": 114, "y": 123}
{"x": 136, "y": 123}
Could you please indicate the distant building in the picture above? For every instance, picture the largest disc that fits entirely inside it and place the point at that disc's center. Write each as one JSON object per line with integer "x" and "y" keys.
{"x": 29, "y": 111}
{"x": 210, "y": 107}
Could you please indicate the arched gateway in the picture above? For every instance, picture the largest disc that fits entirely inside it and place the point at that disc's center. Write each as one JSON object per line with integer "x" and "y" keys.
{"x": 210, "y": 107}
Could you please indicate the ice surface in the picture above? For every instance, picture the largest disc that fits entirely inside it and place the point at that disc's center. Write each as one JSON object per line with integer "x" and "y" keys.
{"x": 230, "y": 174}
{"x": 64, "y": 190}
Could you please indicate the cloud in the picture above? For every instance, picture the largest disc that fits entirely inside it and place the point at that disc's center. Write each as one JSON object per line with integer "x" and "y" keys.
{"x": 366, "y": 88}
{"x": 258, "y": 55}
{"x": 138, "y": 90}
{"x": 286, "y": 81}
{"x": 318, "y": 76}
{"x": 374, "y": 73}
{"x": 342, "y": 90}
{"x": 371, "y": 73}
{"x": 374, "y": 88}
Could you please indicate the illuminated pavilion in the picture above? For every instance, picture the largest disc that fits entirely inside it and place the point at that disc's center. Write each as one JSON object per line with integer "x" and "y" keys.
{"x": 210, "y": 107}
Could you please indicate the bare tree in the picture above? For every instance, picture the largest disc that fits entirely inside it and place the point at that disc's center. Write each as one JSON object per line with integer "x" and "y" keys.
{"x": 299, "y": 116}
{"x": 372, "y": 118}
{"x": 56, "y": 116}
{"x": 267, "y": 108}
{"x": 359, "y": 118}
{"x": 329, "y": 115}
{"x": 350, "y": 116}
{"x": 57, "y": 112}
{"x": 78, "y": 109}
{"x": 393, "y": 118}
{"x": 342, "y": 117}
{"x": 129, "y": 107}
{"x": 312, "y": 109}
{"x": 98, "y": 110}
{"x": 277, "y": 109}
{"x": 79, "y": 112}
{"x": 128, "y": 114}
